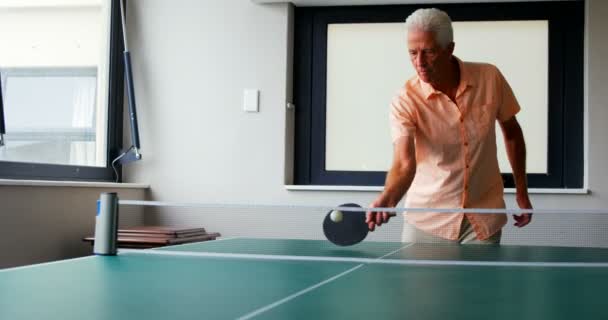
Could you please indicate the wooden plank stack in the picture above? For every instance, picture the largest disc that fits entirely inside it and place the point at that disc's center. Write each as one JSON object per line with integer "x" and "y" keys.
{"x": 144, "y": 237}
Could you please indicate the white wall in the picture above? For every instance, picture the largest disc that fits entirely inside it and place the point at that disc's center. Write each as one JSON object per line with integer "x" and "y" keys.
{"x": 192, "y": 60}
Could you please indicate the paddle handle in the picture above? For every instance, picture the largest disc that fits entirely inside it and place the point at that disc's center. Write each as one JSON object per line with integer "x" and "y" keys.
{"x": 390, "y": 214}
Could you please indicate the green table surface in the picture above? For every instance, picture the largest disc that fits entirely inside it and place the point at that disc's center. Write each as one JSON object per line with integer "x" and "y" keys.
{"x": 134, "y": 285}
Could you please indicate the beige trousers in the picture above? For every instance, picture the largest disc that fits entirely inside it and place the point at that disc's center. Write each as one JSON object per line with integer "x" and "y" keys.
{"x": 467, "y": 235}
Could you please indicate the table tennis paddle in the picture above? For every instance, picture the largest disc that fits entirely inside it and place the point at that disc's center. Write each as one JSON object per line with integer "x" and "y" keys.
{"x": 351, "y": 230}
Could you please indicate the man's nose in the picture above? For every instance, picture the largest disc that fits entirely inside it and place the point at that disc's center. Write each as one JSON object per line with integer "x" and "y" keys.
{"x": 419, "y": 60}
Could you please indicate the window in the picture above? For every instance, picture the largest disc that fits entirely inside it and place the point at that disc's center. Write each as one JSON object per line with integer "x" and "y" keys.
{"x": 350, "y": 61}
{"x": 61, "y": 77}
{"x": 58, "y": 124}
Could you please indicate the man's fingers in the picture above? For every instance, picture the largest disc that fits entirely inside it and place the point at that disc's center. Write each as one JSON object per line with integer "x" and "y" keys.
{"x": 369, "y": 217}
{"x": 371, "y": 226}
{"x": 526, "y": 218}
{"x": 522, "y": 220}
{"x": 379, "y": 218}
{"x": 385, "y": 217}
{"x": 518, "y": 220}
{"x": 374, "y": 219}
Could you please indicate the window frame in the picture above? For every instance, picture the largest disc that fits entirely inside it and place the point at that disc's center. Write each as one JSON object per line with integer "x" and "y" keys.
{"x": 114, "y": 127}
{"x": 565, "y": 167}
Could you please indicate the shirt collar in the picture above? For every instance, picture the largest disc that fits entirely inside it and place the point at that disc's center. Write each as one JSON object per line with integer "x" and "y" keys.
{"x": 465, "y": 81}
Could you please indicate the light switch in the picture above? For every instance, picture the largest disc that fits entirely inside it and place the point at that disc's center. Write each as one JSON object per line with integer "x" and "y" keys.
{"x": 251, "y": 100}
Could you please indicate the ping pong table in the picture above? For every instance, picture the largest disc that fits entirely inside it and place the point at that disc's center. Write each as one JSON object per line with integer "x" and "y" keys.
{"x": 311, "y": 279}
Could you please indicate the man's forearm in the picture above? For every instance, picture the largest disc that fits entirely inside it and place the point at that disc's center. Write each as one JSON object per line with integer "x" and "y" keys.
{"x": 516, "y": 151}
{"x": 398, "y": 181}
{"x": 401, "y": 174}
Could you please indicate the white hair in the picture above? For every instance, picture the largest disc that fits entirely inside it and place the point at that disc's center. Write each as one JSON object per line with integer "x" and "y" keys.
{"x": 432, "y": 20}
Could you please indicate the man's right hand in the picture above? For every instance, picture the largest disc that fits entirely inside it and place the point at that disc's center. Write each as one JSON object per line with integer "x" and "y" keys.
{"x": 398, "y": 180}
{"x": 374, "y": 219}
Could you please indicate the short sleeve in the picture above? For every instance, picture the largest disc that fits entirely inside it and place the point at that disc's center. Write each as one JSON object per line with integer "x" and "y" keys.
{"x": 508, "y": 105}
{"x": 401, "y": 117}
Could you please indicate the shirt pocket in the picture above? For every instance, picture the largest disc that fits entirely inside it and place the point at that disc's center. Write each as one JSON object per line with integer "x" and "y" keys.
{"x": 484, "y": 120}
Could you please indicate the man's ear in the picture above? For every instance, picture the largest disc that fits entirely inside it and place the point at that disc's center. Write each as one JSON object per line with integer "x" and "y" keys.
{"x": 450, "y": 47}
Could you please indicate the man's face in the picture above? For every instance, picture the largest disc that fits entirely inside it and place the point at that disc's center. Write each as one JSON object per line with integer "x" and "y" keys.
{"x": 428, "y": 58}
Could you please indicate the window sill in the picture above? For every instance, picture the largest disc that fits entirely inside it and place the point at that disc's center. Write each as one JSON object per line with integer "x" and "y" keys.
{"x": 379, "y": 189}
{"x": 81, "y": 184}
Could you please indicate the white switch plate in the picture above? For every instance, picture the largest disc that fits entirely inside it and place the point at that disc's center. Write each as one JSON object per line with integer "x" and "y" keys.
{"x": 251, "y": 100}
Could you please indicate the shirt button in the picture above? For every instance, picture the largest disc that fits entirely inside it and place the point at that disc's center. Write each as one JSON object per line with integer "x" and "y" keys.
{"x": 466, "y": 143}
{"x": 461, "y": 119}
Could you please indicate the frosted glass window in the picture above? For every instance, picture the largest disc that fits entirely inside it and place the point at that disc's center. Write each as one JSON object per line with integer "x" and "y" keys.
{"x": 368, "y": 62}
{"x": 50, "y": 116}
{"x": 54, "y": 65}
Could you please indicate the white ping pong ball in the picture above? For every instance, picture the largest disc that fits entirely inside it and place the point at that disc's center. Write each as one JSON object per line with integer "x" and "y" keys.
{"x": 336, "y": 216}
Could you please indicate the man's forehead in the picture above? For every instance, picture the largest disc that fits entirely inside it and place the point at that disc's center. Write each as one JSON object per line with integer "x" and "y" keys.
{"x": 418, "y": 34}
{"x": 421, "y": 38}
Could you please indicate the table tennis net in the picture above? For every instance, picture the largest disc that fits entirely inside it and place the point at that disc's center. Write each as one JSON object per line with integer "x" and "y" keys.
{"x": 282, "y": 231}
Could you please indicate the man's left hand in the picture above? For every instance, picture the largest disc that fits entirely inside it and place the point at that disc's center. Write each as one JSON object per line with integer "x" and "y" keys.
{"x": 524, "y": 218}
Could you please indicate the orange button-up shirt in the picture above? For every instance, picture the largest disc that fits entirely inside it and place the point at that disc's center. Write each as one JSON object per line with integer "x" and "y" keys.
{"x": 455, "y": 143}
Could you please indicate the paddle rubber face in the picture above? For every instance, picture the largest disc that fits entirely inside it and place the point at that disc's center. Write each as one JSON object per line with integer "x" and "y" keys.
{"x": 351, "y": 230}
